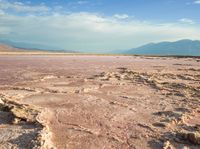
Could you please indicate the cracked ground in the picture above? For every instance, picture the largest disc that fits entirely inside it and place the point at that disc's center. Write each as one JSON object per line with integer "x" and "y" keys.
{"x": 111, "y": 102}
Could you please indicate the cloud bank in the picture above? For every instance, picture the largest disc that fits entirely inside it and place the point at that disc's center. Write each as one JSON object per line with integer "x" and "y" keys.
{"x": 86, "y": 31}
{"x": 21, "y": 7}
{"x": 187, "y": 21}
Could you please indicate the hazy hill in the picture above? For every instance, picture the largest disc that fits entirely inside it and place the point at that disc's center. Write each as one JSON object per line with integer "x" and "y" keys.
{"x": 25, "y": 45}
{"x": 181, "y": 47}
{"x": 10, "y": 49}
{"x": 6, "y": 48}
{"x": 33, "y": 47}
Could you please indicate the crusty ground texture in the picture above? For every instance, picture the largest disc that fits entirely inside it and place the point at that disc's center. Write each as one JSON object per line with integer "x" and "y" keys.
{"x": 99, "y": 102}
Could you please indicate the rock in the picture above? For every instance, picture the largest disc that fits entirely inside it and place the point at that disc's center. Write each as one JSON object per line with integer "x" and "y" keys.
{"x": 24, "y": 113}
{"x": 1, "y": 102}
{"x": 168, "y": 145}
{"x": 190, "y": 137}
{"x": 194, "y": 138}
{"x": 161, "y": 124}
{"x": 16, "y": 121}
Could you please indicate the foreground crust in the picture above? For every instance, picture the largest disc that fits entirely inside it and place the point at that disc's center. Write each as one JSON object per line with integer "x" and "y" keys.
{"x": 89, "y": 102}
{"x": 21, "y": 128}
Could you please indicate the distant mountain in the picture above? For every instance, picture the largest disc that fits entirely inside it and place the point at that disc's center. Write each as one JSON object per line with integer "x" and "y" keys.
{"x": 9, "y": 49}
{"x": 31, "y": 46}
{"x": 6, "y": 48}
{"x": 181, "y": 47}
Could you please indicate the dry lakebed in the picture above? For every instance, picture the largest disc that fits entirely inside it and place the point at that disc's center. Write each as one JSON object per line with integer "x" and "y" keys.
{"x": 99, "y": 102}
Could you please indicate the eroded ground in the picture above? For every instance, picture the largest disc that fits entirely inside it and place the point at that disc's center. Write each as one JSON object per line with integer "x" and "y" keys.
{"x": 89, "y": 102}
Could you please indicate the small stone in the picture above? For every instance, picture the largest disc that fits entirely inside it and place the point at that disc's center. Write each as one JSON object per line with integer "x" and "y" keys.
{"x": 1, "y": 102}
{"x": 168, "y": 145}
{"x": 194, "y": 138}
{"x": 16, "y": 121}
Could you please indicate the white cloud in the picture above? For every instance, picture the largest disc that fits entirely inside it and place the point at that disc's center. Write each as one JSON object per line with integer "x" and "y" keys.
{"x": 2, "y": 12}
{"x": 89, "y": 31}
{"x": 187, "y": 21}
{"x": 21, "y": 7}
{"x": 4, "y": 31}
{"x": 197, "y": 2}
{"x": 121, "y": 16}
{"x": 81, "y": 2}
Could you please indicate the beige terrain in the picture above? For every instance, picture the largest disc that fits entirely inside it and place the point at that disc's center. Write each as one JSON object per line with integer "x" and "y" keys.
{"x": 6, "y": 48}
{"x": 9, "y": 50}
{"x": 99, "y": 102}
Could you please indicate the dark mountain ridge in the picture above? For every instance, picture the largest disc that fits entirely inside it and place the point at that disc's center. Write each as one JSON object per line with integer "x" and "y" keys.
{"x": 181, "y": 47}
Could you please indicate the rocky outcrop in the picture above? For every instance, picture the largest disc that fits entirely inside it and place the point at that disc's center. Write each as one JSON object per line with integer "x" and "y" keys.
{"x": 19, "y": 117}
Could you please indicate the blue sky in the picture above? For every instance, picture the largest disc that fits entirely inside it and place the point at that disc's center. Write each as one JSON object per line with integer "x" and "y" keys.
{"x": 98, "y": 25}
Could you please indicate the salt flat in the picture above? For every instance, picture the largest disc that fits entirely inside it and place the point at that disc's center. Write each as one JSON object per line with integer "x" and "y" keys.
{"x": 89, "y": 102}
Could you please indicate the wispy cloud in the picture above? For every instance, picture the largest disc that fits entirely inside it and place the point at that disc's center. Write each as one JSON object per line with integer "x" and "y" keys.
{"x": 197, "y": 2}
{"x": 121, "y": 16}
{"x": 187, "y": 21}
{"x": 21, "y": 7}
{"x": 81, "y": 2}
{"x": 84, "y": 30}
{"x": 2, "y": 12}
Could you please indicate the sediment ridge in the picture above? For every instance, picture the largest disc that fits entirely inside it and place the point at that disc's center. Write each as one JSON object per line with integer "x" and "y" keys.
{"x": 20, "y": 118}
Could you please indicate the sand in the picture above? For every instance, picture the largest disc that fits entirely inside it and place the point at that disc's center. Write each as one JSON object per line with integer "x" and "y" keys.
{"x": 96, "y": 102}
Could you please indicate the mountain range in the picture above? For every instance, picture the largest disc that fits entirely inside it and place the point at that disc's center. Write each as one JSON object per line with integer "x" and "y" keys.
{"x": 184, "y": 47}
{"x": 30, "y": 46}
{"x": 181, "y": 47}
{"x": 27, "y": 45}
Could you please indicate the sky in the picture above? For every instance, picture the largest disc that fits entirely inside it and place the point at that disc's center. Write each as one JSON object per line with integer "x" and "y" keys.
{"x": 98, "y": 25}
